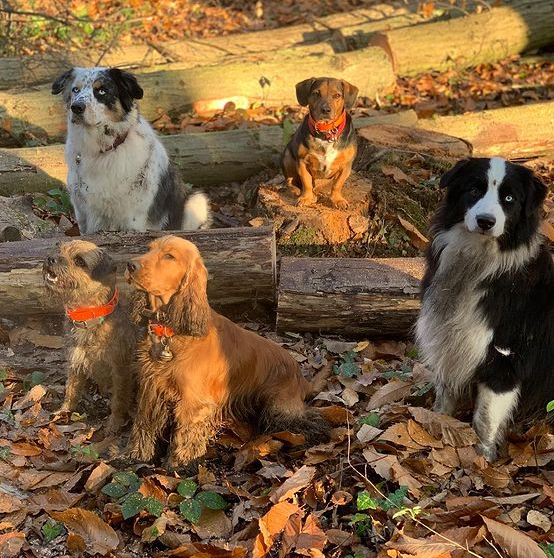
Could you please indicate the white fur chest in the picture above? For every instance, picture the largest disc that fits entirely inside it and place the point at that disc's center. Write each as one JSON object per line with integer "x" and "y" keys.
{"x": 326, "y": 155}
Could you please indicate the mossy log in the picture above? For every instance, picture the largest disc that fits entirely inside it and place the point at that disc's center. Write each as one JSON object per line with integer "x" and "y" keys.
{"x": 241, "y": 263}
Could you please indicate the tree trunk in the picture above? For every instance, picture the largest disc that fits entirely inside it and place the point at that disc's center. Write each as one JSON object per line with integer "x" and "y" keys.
{"x": 349, "y": 296}
{"x": 202, "y": 158}
{"x": 493, "y": 34}
{"x": 266, "y": 78}
{"x": 351, "y": 26}
{"x": 241, "y": 264}
{"x": 521, "y": 131}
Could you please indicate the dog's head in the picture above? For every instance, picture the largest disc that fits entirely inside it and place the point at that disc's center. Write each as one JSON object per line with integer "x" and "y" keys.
{"x": 326, "y": 97}
{"x": 98, "y": 96}
{"x": 172, "y": 271}
{"x": 493, "y": 197}
{"x": 81, "y": 273}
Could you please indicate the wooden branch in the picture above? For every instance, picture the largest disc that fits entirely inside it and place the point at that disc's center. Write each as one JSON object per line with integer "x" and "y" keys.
{"x": 202, "y": 158}
{"x": 349, "y": 296}
{"x": 355, "y": 26}
{"x": 267, "y": 78}
{"x": 241, "y": 264}
{"x": 480, "y": 38}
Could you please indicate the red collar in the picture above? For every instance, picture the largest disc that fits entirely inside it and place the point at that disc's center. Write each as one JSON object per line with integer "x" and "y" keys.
{"x": 84, "y": 314}
{"x": 331, "y": 130}
{"x": 117, "y": 142}
{"x": 160, "y": 330}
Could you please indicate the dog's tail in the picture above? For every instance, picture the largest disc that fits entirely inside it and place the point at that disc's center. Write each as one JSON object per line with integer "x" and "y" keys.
{"x": 197, "y": 213}
{"x": 310, "y": 424}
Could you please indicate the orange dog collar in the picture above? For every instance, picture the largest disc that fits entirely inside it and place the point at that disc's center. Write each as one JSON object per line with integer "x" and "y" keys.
{"x": 331, "y": 130}
{"x": 160, "y": 330}
{"x": 84, "y": 314}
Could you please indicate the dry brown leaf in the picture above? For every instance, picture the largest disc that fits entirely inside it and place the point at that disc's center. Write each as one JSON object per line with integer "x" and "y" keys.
{"x": 341, "y": 498}
{"x": 255, "y": 449}
{"x": 200, "y": 550}
{"x": 397, "y": 174}
{"x": 390, "y": 392}
{"x": 35, "y": 394}
{"x": 445, "y": 428}
{"x": 99, "y": 537}
{"x": 446, "y": 456}
{"x": 9, "y": 503}
{"x": 299, "y": 480}
{"x": 53, "y": 500}
{"x": 213, "y": 524}
{"x": 11, "y": 544}
{"x": 422, "y": 548}
{"x": 366, "y": 433}
{"x": 420, "y": 436}
{"x": 538, "y": 519}
{"x": 336, "y": 415}
{"x": 398, "y": 434}
{"x": 419, "y": 240}
{"x": 312, "y": 538}
{"x": 515, "y": 543}
{"x": 23, "y": 448}
{"x": 548, "y": 230}
{"x": 271, "y": 524}
{"x": 100, "y": 474}
{"x": 496, "y": 477}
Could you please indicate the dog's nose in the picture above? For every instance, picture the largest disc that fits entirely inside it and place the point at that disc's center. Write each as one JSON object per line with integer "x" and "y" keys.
{"x": 133, "y": 266}
{"x": 50, "y": 260}
{"x": 78, "y": 108}
{"x": 486, "y": 221}
{"x": 325, "y": 108}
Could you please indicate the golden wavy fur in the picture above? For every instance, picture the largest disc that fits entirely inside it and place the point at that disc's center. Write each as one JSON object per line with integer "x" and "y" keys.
{"x": 218, "y": 369}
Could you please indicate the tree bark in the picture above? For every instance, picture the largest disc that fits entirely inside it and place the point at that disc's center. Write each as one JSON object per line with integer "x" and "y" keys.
{"x": 241, "y": 263}
{"x": 351, "y": 26}
{"x": 349, "y": 296}
{"x": 510, "y": 132}
{"x": 202, "y": 158}
{"x": 489, "y": 36}
{"x": 266, "y": 78}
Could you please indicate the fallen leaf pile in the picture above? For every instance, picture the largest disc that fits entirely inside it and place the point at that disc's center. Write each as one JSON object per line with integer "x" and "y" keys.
{"x": 395, "y": 481}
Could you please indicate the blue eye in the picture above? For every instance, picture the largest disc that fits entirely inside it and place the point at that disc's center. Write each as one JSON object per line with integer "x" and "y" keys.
{"x": 509, "y": 198}
{"x": 101, "y": 91}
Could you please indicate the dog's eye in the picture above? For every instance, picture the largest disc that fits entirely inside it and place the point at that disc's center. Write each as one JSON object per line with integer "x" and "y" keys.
{"x": 509, "y": 198}
{"x": 101, "y": 91}
{"x": 75, "y": 90}
{"x": 168, "y": 257}
{"x": 317, "y": 93}
{"x": 337, "y": 96}
{"x": 79, "y": 262}
{"x": 474, "y": 192}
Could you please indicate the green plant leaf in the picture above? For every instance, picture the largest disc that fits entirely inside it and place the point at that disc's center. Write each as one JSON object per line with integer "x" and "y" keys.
{"x": 212, "y": 500}
{"x": 372, "y": 419}
{"x": 366, "y": 502}
{"x": 3, "y": 374}
{"x": 191, "y": 510}
{"x": 133, "y": 504}
{"x": 550, "y": 406}
{"x": 126, "y": 478}
{"x": 187, "y": 488}
{"x": 51, "y": 529}
{"x": 37, "y": 378}
{"x": 394, "y": 500}
{"x": 153, "y": 506}
{"x": 548, "y": 549}
{"x": 114, "y": 490}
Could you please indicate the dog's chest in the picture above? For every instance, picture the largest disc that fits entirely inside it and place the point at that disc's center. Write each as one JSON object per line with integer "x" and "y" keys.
{"x": 322, "y": 157}
{"x": 452, "y": 331}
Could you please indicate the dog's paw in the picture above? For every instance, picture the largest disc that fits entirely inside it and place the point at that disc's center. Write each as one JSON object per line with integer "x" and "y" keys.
{"x": 339, "y": 202}
{"x": 489, "y": 452}
{"x": 309, "y": 199}
{"x": 115, "y": 424}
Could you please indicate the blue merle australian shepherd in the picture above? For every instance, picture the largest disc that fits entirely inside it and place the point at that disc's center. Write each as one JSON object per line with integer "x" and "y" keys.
{"x": 487, "y": 318}
{"x": 119, "y": 175}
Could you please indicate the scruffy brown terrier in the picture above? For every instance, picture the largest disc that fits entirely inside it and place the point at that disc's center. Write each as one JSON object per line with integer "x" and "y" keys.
{"x": 196, "y": 366}
{"x": 102, "y": 339}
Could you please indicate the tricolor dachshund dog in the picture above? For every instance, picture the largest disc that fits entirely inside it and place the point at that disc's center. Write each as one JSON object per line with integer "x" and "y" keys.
{"x": 325, "y": 145}
{"x": 487, "y": 317}
{"x": 119, "y": 174}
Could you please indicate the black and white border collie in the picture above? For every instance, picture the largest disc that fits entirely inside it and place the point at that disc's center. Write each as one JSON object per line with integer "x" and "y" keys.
{"x": 119, "y": 174}
{"x": 487, "y": 317}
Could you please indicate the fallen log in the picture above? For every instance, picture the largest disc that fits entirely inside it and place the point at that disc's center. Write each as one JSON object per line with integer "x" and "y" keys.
{"x": 511, "y": 132}
{"x": 18, "y": 221}
{"x": 489, "y": 36}
{"x": 241, "y": 263}
{"x": 202, "y": 158}
{"x": 266, "y": 78}
{"x": 337, "y": 28}
{"x": 349, "y": 296}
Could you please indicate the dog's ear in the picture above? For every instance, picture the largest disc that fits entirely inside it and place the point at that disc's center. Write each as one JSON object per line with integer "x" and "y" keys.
{"x": 449, "y": 176}
{"x": 99, "y": 263}
{"x": 188, "y": 310}
{"x": 303, "y": 91}
{"x": 128, "y": 88}
{"x": 350, "y": 94}
{"x": 61, "y": 81}
{"x": 536, "y": 190}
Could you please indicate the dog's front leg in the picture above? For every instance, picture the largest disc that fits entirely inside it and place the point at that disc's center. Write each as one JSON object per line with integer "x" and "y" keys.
{"x": 336, "y": 192}
{"x": 123, "y": 390}
{"x": 74, "y": 389}
{"x": 446, "y": 401}
{"x": 307, "y": 197}
{"x": 493, "y": 412}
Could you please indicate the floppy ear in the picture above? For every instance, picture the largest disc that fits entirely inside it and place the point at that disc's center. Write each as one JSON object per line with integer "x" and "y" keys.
{"x": 536, "y": 190}
{"x": 188, "y": 311}
{"x": 100, "y": 264}
{"x": 61, "y": 81}
{"x": 137, "y": 304}
{"x": 303, "y": 90}
{"x": 128, "y": 88}
{"x": 350, "y": 94}
{"x": 448, "y": 176}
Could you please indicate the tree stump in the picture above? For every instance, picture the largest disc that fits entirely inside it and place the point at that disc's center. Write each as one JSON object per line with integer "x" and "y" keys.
{"x": 320, "y": 224}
